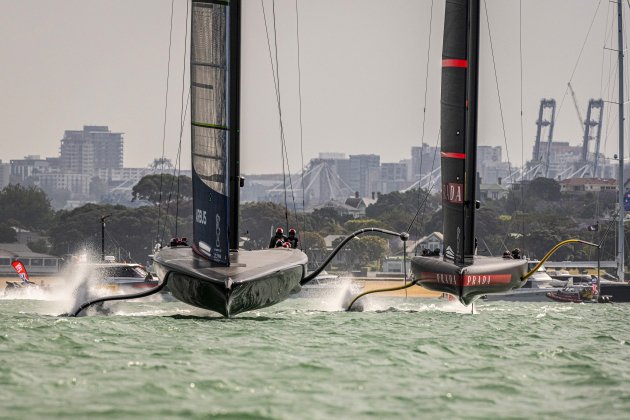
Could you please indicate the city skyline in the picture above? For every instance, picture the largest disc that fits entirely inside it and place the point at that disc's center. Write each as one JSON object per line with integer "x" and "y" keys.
{"x": 110, "y": 69}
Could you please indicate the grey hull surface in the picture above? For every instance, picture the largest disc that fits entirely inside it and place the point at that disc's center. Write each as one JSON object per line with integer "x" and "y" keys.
{"x": 254, "y": 279}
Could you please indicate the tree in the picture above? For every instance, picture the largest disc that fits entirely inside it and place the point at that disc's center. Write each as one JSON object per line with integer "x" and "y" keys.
{"x": 7, "y": 234}
{"x": 544, "y": 188}
{"x": 314, "y": 246}
{"x": 162, "y": 188}
{"x": 356, "y": 224}
{"x": 312, "y": 240}
{"x": 362, "y": 251}
{"x": 40, "y": 245}
{"x": 28, "y": 206}
{"x": 259, "y": 220}
{"x": 129, "y": 232}
{"x": 397, "y": 210}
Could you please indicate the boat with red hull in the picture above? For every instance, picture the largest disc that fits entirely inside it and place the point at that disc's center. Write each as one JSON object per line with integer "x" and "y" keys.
{"x": 459, "y": 271}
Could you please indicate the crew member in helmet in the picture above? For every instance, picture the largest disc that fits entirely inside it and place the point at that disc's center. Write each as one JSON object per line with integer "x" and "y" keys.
{"x": 516, "y": 254}
{"x": 279, "y": 243}
{"x": 279, "y": 236}
{"x": 293, "y": 239}
{"x": 287, "y": 244}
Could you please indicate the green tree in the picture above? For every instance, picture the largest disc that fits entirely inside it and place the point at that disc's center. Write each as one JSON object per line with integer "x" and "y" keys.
{"x": 397, "y": 210}
{"x": 259, "y": 221}
{"x": 28, "y": 206}
{"x": 312, "y": 240}
{"x": 7, "y": 234}
{"x": 543, "y": 188}
{"x": 40, "y": 245}
{"x": 363, "y": 251}
{"x": 162, "y": 188}
{"x": 356, "y": 224}
{"x": 129, "y": 232}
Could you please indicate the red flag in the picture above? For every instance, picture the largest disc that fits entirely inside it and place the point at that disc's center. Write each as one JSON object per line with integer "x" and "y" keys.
{"x": 21, "y": 271}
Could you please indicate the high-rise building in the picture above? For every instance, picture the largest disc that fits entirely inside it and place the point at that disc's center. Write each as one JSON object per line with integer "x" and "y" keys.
{"x": 393, "y": 176}
{"x": 364, "y": 174}
{"x": 32, "y": 166}
{"x": 5, "y": 174}
{"x": 490, "y": 166}
{"x": 423, "y": 160}
{"x": 93, "y": 148}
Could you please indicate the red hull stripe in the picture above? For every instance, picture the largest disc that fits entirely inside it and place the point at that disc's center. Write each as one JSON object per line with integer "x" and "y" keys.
{"x": 450, "y": 62}
{"x": 454, "y": 155}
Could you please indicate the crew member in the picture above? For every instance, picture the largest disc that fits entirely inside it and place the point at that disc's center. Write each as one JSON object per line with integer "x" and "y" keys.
{"x": 293, "y": 239}
{"x": 516, "y": 254}
{"x": 279, "y": 236}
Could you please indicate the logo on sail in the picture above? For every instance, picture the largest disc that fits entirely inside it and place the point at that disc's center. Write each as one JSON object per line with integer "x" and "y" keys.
{"x": 453, "y": 193}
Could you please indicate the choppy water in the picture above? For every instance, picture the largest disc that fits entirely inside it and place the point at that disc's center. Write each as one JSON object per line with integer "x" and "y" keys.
{"x": 413, "y": 358}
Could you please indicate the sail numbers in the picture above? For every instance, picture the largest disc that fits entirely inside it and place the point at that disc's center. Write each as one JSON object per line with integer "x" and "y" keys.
{"x": 200, "y": 216}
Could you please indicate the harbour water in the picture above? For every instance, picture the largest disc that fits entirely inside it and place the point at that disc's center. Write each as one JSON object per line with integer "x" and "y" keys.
{"x": 401, "y": 358}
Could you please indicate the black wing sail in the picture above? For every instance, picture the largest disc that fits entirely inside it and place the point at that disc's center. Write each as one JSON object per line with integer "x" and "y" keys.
{"x": 209, "y": 72}
{"x": 458, "y": 111}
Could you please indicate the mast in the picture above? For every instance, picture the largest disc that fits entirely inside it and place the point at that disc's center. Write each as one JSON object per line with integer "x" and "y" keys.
{"x": 234, "y": 119}
{"x": 620, "y": 179}
{"x": 472, "y": 92}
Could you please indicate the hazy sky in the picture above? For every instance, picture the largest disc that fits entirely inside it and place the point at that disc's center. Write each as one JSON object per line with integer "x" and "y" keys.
{"x": 69, "y": 63}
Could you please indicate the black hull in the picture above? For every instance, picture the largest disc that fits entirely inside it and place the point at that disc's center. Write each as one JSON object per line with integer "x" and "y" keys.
{"x": 484, "y": 276}
{"x": 620, "y": 293}
{"x": 254, "y": 280}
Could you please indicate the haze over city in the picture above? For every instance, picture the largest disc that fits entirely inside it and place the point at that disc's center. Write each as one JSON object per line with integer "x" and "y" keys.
{"x": 72, "y": 63}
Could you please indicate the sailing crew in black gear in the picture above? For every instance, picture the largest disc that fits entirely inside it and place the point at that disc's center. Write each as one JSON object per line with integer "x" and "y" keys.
{"x": 293, "y": 239}
{"x": 279, "y": 236}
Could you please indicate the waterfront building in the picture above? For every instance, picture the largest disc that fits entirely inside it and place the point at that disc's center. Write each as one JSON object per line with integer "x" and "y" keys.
{"x": 36, "y": 264}
{"x": 588, "y": 184}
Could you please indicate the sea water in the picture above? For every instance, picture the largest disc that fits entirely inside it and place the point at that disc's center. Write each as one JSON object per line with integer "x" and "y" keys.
{"x": 401, "y": 358}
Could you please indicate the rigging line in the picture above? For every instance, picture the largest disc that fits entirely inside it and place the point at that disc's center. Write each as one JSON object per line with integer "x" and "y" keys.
{"x": 175, "y": 168}
{"x": 297, "y": 33}
{"x": 284, "y": 141}
{"x": 607, "y": 28}
{"x": 422, "y": 206}
{"x": 566, "y": 89}
{"x": 182, "y": 118}
{"x": 520, "y": 50}
{"x": 168, "y": 204}
{"x": 496, "y": 80}
{"x": 424, "y": 108}
{"x": 168, "y": 76}
{"x": 278, "y": 97}
{"x": 283, "y": 137}
{"x": 276, "y": 86}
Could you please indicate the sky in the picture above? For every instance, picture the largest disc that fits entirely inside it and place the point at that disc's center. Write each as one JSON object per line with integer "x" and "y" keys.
{"x": 69, "y": 63}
